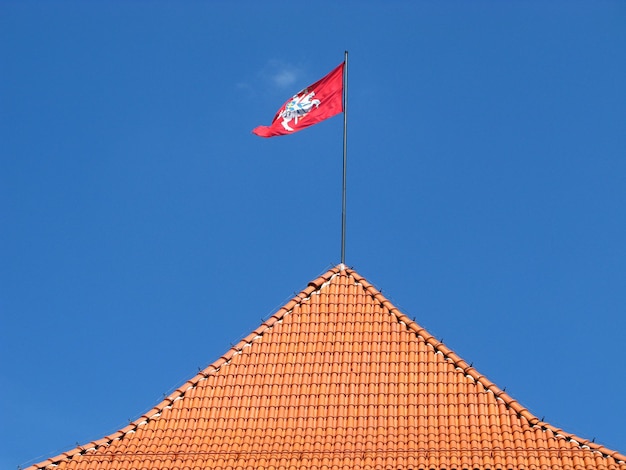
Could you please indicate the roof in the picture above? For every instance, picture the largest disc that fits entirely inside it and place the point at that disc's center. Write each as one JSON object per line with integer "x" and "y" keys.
{"x": 339, "y": 378}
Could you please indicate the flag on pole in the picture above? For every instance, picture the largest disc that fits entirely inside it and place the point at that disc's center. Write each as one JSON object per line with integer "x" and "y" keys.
{"x": 322, "y": 100}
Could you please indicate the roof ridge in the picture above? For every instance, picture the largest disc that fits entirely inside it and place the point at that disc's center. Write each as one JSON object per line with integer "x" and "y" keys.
{"x": 472, "y": 373}
{"x": 315, "y": 286}
{"x": 202, "y": 375}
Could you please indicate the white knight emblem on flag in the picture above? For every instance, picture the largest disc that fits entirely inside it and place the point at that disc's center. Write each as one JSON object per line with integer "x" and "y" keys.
{"x": 299, "y": 106}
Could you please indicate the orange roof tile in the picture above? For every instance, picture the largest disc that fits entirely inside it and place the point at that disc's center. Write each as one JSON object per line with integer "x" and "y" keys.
{"x": 339, "y": 378}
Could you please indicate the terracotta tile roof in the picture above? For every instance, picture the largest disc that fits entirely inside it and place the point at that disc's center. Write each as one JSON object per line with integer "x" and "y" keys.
{"x": 339, "y": 378}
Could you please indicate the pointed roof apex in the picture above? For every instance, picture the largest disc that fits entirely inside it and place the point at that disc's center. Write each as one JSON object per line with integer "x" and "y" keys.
{"x": 339, "y": 378}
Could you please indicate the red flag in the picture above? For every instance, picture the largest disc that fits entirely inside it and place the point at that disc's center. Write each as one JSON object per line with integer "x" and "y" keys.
{"x": 317, "y": 102}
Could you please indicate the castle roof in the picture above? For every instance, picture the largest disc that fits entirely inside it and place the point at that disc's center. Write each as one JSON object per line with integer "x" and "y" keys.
{"x": 339, "y": 378}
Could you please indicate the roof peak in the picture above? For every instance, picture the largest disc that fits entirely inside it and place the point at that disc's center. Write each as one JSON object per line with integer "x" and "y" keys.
{"x": 339, "y": 373}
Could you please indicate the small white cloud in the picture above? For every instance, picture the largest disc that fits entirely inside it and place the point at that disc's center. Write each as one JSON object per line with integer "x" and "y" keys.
{"x": 243, "y": 86}
{"x": 285, "y": 78}
{"x": 280, "y": 74}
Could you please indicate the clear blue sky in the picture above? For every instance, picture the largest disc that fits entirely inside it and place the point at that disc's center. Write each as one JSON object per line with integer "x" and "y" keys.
{"x": 144, "y": 229}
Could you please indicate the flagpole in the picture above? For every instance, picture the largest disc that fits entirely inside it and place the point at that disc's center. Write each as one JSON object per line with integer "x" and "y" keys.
{"x": 345, "y": 158}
